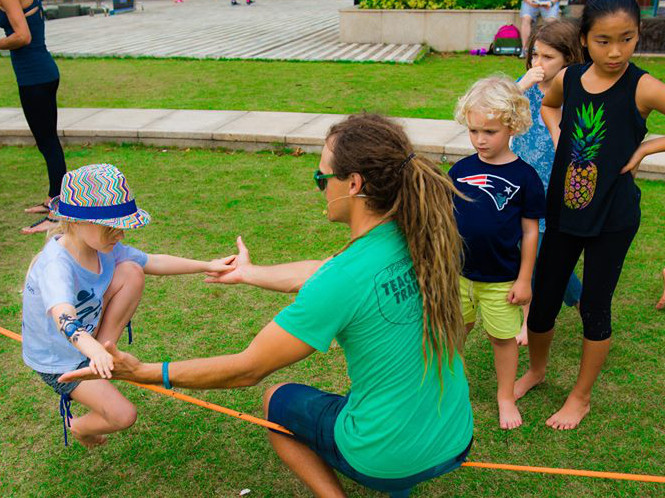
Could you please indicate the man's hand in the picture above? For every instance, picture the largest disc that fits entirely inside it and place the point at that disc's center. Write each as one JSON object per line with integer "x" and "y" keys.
{"x": 520, "y": 293}
{"x": 236, "y": 275}
{"x": 125, "y": 366}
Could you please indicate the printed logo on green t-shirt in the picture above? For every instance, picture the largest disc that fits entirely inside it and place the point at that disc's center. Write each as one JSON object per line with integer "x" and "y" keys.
{"x": 398, "y": 294}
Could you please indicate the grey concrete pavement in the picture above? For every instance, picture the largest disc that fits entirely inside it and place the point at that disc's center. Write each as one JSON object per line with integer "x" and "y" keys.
{"x": 214, "y": 29}
{"x": 245, "y": 130}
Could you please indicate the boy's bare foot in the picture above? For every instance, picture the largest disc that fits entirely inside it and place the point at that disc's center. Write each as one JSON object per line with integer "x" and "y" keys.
{"x": 661, "y": 301}
{"x": 509, "y": 415}
{"x": 526, "y": 382}
{"x": 89, "y": 441}
{"x": 523, "y": 338}
{"x": 571, "y": 413}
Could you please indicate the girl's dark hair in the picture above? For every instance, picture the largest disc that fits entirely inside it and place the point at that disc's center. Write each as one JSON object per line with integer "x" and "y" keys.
{"x": 595, "y": 9}
{"x": 418, "y": 195}
{"x": 563, "y": 36}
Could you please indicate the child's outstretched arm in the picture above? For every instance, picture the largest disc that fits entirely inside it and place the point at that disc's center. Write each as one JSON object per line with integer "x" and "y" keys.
{"x": 72, "y": 329}
{"x": 550, "y": 109}
{"x": 520, "y": 293}
{"x": 164, "y": 264}
{"x": 649, "y": 96}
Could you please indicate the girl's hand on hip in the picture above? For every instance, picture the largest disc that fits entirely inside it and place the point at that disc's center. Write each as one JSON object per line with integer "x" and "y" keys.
{"x": 634, "y": 163}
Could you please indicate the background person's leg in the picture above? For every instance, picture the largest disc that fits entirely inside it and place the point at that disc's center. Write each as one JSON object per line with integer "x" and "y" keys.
{"x": 40, "y": 107}
{"x": 525, "y": 32}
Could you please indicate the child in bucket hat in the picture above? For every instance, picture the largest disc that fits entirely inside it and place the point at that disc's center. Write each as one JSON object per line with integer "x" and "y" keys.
{"x": 82, "y": 290}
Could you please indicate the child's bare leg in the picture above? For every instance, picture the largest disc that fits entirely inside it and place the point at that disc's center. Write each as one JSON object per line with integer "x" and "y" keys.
{"x": 577, "y": 404}
{"x": 539, "y": 351}
{"x": 110, "y": 412}
{"x": 661, "y": 301}
{"x": 505, "y": 363}
{"x": 523, "y": 338}
{"x": 120, "y": 301}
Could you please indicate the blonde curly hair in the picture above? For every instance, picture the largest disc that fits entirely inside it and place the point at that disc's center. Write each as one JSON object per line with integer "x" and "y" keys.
{"x": 498, "y": 97}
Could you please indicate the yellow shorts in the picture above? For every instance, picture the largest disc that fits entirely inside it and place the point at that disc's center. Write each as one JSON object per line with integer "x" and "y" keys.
{"x": 500, "y": 318}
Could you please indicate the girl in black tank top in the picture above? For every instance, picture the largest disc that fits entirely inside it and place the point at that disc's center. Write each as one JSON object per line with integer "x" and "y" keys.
{"x": 593, "y": 204}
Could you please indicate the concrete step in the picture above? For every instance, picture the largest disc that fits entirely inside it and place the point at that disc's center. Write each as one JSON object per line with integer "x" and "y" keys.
{"x": 441, "y": 140}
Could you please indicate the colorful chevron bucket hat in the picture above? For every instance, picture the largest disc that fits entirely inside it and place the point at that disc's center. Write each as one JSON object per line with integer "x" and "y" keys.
{"x": 98, "y": 194}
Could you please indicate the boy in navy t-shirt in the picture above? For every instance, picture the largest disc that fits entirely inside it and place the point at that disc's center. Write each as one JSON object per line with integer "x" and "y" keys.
{"x": 497, "y": 215}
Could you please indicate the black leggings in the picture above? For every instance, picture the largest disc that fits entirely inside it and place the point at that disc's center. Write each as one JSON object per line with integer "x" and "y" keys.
{"x": 41, "y": 113}
{"x": 603, "y": 259}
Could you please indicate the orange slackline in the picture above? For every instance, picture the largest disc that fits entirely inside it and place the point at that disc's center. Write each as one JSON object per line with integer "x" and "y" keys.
{"x": 188, "y": 399}
{"x": 498, "y": 466}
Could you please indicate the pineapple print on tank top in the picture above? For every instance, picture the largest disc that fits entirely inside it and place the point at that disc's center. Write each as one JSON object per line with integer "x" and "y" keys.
{"x": 582, "y": 174}
{"x": 587, "y": 193}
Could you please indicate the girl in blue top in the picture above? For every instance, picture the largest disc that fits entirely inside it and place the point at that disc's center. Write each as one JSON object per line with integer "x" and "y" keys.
{"x": 552, "y": 47}
{"x": 81, "y": 291}
{"x": 38, "y": 79}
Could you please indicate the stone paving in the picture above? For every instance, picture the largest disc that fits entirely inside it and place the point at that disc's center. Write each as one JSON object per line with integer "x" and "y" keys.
{"x": 244, "y": 130}
{"x": 214, "y": 29}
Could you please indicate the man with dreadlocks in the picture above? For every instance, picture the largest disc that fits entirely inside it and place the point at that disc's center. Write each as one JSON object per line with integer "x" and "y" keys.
{"x": 390, "y": 298}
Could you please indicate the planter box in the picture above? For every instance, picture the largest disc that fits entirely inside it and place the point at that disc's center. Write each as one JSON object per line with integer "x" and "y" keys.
{"x": 443, "y": 30}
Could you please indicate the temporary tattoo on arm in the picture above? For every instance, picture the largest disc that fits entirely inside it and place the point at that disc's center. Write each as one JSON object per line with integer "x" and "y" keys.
{"x": 69, "y": 327}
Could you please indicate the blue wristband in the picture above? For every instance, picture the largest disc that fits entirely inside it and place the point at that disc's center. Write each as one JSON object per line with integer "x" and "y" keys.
{"x": 165, "y": 375}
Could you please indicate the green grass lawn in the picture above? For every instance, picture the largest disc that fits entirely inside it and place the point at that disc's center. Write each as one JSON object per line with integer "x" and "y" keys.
{"x": 200, "y": 201}
{"x": 427, "y": 89}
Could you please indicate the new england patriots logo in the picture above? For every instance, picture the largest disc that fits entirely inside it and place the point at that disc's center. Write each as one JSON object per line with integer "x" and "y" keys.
{"x": 499, "y": 189}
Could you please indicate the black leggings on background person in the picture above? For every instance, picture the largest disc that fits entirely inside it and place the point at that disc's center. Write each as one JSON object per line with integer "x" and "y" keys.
{"x": 41, "y": 113}
{"x": 604, "y": 255}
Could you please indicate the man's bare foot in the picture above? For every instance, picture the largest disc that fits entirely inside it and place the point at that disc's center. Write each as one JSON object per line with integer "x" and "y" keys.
{"x": 527, "y": 382}
{"x": 43, "y": 225}
{"x": 523, "y": 338}
{"x": 661, "y": 301}
{"x": 571, "y": 413}
{"x": 89, "y": 441}
{"x": 509, "y": 415}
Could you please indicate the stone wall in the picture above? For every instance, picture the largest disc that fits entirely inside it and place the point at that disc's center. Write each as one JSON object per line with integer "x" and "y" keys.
{"x": 443, "y": 30}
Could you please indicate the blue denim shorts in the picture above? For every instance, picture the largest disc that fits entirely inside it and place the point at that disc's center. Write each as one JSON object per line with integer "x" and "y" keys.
{"x": 63, "y": 389}
{"x": 533, "y": 12}
{"x": 311, "y": 414}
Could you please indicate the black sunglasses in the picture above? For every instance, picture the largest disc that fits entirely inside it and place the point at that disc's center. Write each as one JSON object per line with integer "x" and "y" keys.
{"x": 321, "y": 180}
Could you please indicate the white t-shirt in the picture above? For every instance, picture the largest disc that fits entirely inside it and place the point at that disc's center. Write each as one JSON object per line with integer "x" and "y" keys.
{"x": 56, "y": 278}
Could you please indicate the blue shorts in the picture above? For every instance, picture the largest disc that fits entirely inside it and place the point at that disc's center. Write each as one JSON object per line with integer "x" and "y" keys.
{"x": 61, "y": 388}
{"x": 311, "y": 414}
{"x": 533, "y": 12}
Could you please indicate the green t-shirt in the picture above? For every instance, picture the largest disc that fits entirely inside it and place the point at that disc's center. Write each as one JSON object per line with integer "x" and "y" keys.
{"x": 396, "y": 423}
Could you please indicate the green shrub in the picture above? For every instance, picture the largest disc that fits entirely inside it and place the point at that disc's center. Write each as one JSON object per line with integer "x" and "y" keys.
{"x": 439, "y": 4}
